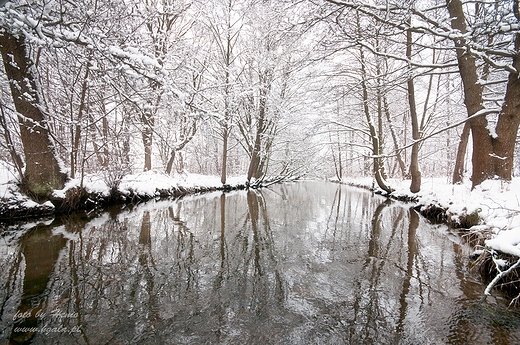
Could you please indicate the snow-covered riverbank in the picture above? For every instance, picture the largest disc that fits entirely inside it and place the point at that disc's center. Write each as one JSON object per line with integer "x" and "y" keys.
{"x": 98, "y": 191}
{"x": 497, "y": 203}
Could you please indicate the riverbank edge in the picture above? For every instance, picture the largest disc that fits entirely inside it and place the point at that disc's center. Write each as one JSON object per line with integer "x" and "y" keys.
{"x": 433, "y": 212}
{"x": 81, "y": 199}
{"x": 78, "y": 198}
{"x": 485, "y": 261}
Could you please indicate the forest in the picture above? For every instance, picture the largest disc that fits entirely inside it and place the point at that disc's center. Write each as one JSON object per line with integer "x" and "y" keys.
{"x": 268, "y": 89}
{"x": 150, "y": 100}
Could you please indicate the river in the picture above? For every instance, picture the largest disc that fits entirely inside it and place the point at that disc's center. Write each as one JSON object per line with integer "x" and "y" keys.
{"x": 295, "y": 263}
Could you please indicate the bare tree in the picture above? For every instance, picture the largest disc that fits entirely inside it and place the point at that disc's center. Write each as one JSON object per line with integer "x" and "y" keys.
{"x": 416, "y": 135}
{"x": 162, "y": 19}
{"x": 226, "y": 31}
{"x": 373, "y": 133}
{"x": 492, "y": 149}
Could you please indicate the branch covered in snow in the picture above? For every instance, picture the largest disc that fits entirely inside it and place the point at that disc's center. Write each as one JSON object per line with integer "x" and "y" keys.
{"x": 476, "y": 42}
{"x": 499, "y": 276}
{"x": 482, "y": 112}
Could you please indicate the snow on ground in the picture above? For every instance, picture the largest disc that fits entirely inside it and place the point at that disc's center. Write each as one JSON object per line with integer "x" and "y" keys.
{"x": 144, "y": 184}
{"x": 149, "y": 183}
{"x": 10, "y": 193}
{"x": 497, "y": 202}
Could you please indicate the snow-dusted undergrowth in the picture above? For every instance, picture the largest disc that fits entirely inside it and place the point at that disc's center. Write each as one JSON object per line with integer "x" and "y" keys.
{"x": 150, "y": 184}
{"x": 141, "y": 186}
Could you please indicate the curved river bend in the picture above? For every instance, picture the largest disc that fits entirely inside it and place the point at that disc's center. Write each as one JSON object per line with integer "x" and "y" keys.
{"x": 298, "y": 263}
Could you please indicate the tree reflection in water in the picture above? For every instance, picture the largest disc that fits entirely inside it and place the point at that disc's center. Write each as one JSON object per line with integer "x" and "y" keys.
{"x": 40, "y": 249}
{"x": 301, "y": 263}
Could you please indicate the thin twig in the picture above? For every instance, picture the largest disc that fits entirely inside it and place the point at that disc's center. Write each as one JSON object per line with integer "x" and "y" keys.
{"x": 513, "y": 301}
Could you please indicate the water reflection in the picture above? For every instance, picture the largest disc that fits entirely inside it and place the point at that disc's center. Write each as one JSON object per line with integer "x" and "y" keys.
{"x": 40, "y": 249}
{"x": 301, "y": 263}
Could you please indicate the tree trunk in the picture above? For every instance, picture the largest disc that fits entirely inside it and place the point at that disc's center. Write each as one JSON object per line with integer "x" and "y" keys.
{"x": 148, "y": 122}
{"x": 492, "y": 152}
{"x": 508, "y": 121}
{"x": 169, "y": 165}
{"x": 380, "y": 112}
{"x": 415, "y": 186}
{"x": 458, "y": 171}
{"x": 255, "y": 155}
{"x": 338, "y": 164}
{"x": 186, "y": 138}
{"x": 402, "y": 166}
{"x": 105, "y": 144}
{"x": 482, "y": 144}
{"x": 225, "y": 137}
{"x": 42, "y": 170}
{"x": 77, "y": 129}
{"x": 374, "y": 137}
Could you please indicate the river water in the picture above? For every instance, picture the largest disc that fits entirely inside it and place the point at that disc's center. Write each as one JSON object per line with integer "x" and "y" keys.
{"x": 298, "y": 263}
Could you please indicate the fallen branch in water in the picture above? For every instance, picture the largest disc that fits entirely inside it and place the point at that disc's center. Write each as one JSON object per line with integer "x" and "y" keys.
{"x": 514, "y": 301}
{"x": 499, "y": 276}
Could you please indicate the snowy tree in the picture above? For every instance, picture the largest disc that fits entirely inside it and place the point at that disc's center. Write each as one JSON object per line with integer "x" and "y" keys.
{"x": 269, "y": 62}
{"x": 43, "y": 171}
{"x": 225, "y": 23}
{"x": 486, "y": 39}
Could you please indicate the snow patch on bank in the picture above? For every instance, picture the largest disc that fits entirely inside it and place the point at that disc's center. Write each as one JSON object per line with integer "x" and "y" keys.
{"x": 149, "y": 183}
{"x": 145, "y": 185}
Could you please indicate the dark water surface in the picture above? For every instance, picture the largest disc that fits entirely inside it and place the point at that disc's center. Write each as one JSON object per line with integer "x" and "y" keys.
{"x": 300, "y": 263}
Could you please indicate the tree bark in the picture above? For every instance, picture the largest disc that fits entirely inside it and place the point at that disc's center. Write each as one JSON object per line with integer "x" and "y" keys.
{"x": 148, "y": 122}
{"x": 77, "y": 127}
{"x": 185, "y": 139}
{"x": 492, "y": 152}
{"x": 337, "y": 162}
{"x": 402, "y": 166}
{"x": 508, "y": 121}
{"x": 169, "y": 165}
{"x": 458, "y": 171}
{"x": 415, "y": 186}
{"x": 380, "y": 112}
{"x": 482, "y": 144}
{"x": 42, "y": 170}
{"x": 255, "y": 154}
{"x": 225, "y": 137}
{"x": 373, "y": 134}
